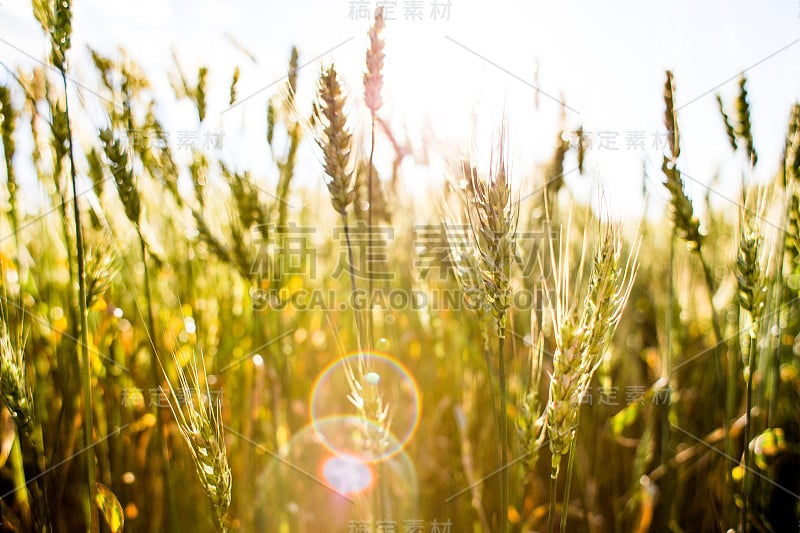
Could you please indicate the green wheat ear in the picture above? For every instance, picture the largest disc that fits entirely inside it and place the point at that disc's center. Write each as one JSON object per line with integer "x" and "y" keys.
{"x": 687, "y": 226}
{"x": 8, "y": 122}
{"x": 750, "y": 276}
{"x": 670, "y": 120}
{"x": 200, "y": 92}
{"x": 56, "y": 20}
{"x": 16, "y": 394}
{"x": 729, "y": 130}
{"x": 120, "y": 165}
{"x": 234, "y": 82}
{"x": 744, "y": 127}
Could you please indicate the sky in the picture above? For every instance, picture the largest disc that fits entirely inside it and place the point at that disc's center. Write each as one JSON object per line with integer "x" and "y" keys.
{"x": 451, "y": 78}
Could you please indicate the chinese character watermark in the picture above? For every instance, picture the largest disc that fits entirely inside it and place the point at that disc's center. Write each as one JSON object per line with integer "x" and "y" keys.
{"x": 402, "y": 10}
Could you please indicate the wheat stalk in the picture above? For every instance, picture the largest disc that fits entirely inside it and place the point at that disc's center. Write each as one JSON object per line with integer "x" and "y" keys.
{"x": 494, "y": 215}
{"x": 336, "y": 141}
{"x": 119, "y": 160}
{"x": 750, "y": 276}
{"x": 687, "y": 227}
{"x": 56, "y": 20}
{"x": 466, "y": 267}
{"x": 751, "y": 281}
{"x": 582, "y": 335}
{"x": 200, "y": 425}
{"x": 373, "y": 83}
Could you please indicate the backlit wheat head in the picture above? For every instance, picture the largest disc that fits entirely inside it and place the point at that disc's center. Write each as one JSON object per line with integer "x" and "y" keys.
{"x": 582, "y": 334}
{"x": 494, "y": 215}
{"x": 199, "y": 419}
{"x": 335, "y": 140}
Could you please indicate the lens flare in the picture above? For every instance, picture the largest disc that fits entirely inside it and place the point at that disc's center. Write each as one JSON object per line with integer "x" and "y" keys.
{"x": 397, "y": 387}
{"x": 326, "y": 491}
{"x": 347, "y": 474}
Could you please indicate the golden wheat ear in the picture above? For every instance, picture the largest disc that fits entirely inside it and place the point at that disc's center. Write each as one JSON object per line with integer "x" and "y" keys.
{"x": 198, "y": 414}
{"x": 335, "y": 140}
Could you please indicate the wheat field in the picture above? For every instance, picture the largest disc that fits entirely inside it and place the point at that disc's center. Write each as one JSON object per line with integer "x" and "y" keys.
{"x": 189, "y": 344}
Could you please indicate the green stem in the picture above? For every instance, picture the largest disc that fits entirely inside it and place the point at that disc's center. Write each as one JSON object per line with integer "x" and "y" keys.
{"x": 356, "y": 314}
{"x": 748, "y": 426}
{"x": 570, "y": 466}
{"x": 503, "y": 430}
{"x": 552, "y": 511}
{"x": 86, "y": 370}
{"x": 18, "y": 477}
{"x": 664, "y": 516}
{"x": 773, "y": 366}
{"x": 718, "y": 353}
{"x": 487, "y": 353}
{"x": 159, "y": 439}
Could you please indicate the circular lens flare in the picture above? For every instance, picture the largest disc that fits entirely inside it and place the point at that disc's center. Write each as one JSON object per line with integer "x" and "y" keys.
{"x": 333, "y": 396}
{"x": 347, "y": 474}
{"x": 327, "y": 491}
